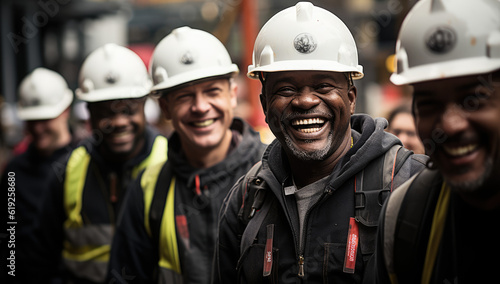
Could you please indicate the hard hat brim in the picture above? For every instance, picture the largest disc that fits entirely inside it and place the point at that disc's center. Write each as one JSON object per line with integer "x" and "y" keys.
{"x": 195, "y": 75}
{"x": 45, "y": 112}
{"x": 445, "y": 70}
{"x": 303, "y": 65}
{"x": 110, "y": 94}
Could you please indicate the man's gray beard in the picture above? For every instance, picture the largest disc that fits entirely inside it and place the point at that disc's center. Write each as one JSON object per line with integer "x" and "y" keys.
{"x": 474, "y": 186}
{"x": 317, "y": 155}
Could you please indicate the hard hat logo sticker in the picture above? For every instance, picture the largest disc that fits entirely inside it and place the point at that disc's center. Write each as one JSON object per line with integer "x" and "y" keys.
{"x": 441, "y": 39}
{"x": 304, "y": 43}
{"x": 187, "y": 58}
{"x": 31, "y": 102}
{"x": 112, "y": 78}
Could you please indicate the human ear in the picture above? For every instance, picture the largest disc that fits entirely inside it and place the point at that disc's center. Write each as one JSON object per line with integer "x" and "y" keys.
{"x": 352, "y": 94}
{"x": 263, "y": 102}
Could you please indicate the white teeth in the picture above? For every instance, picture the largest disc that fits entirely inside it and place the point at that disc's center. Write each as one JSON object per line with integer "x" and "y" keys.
{"x": 309, "y": 130}
{"x": 121, "y": 134}
{"x": 460, "y": 151}
{"x": 308, "y": 121}
{"x": 204, "y": 123}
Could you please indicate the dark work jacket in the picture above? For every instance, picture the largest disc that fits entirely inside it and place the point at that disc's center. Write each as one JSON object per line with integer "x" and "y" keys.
{"x": 134, "y": 255}
{"x": 326, "y": 224}
{"x": 32, "y": 174}
{"x": 98, "y": 207}
{"x": 464, "y": 253}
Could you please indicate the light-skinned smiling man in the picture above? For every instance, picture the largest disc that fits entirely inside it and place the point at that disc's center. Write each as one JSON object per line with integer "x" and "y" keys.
{"x": 168, "y": 231}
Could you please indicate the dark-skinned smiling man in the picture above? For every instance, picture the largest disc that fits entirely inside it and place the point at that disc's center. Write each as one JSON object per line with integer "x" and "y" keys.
{"x": 80, "y": 213}
{"x": 308, "y": 213}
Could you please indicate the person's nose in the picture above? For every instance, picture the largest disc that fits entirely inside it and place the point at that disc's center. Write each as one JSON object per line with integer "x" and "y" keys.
{"x": 119, "y": 120}
{"x": 201, "y": 103}
{"x": 454, "y": 120}
{"x": 306, "y": 99}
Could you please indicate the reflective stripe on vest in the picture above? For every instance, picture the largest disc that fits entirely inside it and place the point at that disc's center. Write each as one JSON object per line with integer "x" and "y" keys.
{"x": 168, "y": 252}
{"x": 86, "y": 247}
{"x": 391, "y": 219}
{"x": 158, "y": 155}
{"x": 438, "y": 222}
{"x": 148, "y": 185}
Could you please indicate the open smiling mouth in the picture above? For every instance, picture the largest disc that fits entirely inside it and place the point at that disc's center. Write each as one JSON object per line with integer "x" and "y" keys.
{"x": 308, "y": 125}
{"x": 203, "y": 123}
{"x": 460, "y": 151}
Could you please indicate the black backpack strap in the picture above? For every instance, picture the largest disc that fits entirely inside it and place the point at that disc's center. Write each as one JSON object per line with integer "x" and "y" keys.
{"x": 373, "y": 186}
{"x": 411, "y": 237}
{"x": 254, "y": 207}
{"x": 159, "y": 201}
{"x": 253, "y": 226}
{"x": 247, "y": 187}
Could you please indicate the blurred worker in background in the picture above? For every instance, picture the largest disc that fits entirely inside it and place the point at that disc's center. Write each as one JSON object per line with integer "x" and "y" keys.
{"x": 82, "y": 209}
{"x": 309, "y": 214}
{"x": 402, "y": 124}
{"x": 168, "y": 229}
{"x": 44, "y": 105}
{"x": 440, "y": 226}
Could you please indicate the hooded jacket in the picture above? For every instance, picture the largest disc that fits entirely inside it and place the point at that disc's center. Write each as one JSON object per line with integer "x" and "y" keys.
{"x": 135, "y": 255}
{"x": 326, "y": 224}
{"x": 80, "y": 211}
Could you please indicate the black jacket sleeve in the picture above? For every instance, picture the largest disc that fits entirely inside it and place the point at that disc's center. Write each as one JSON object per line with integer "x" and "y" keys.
{"x": 227, "y": 250}
{"x": 48, "y": 235}
{"x": 133, "y": 258}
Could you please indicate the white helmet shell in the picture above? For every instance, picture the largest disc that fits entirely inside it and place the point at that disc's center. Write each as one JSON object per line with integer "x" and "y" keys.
{"x": 444, "y": 39}
{"x": 43, "y": 94}
{"x": 305, "y": 37}
{"x": 187, "y": 55}
{"x": 112, "y": 72}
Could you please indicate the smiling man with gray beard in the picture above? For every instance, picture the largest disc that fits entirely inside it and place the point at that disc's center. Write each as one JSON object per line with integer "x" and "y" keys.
{"x": 321, "y": 183}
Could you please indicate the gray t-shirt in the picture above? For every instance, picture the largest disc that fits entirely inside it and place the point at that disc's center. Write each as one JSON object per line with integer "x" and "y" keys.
{"x": 306, "y": 197}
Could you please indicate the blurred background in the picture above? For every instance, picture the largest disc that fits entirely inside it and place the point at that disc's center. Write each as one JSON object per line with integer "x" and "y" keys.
{"x": 59, "y": 34}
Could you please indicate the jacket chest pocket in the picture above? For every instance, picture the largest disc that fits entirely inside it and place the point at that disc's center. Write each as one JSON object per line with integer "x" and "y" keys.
{"x": 333, "y": 265}
{"x": 251, "y": 265}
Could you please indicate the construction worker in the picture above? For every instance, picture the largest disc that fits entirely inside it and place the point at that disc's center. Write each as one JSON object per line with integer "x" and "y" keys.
{"x": 439, "y": 227}
{"x": 44, "y": 105}
{"x": 168, "y": 229}
{"x": 81, "y": 212}
{"x": 402, "y": 124}
{"x": 309, "y": 214}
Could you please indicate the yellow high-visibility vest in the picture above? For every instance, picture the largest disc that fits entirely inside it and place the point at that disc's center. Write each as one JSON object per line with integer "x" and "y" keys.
{"x": 86, "y": 247}
{"x": 170, "y": 268}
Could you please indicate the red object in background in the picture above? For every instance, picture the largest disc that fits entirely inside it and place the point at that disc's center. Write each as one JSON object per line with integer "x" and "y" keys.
{"x": 249, "y": 24}
{"x": 144, "y": 50}
{"x": 22, "y": 146}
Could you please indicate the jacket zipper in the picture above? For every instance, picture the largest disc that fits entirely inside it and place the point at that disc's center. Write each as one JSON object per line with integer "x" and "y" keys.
{"x": 303, "y": 244}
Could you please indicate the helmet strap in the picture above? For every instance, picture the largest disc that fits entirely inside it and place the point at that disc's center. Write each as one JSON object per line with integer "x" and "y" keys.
{"x": 348, "y": 77}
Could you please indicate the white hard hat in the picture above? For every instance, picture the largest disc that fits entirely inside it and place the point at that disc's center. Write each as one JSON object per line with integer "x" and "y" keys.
{"x": 305, "y": 37}
{"x": 112, "y": 72}
{"x": 43, "y": 94}
{"x": 444, "y": 39}
{"x": 187, "y": 55}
